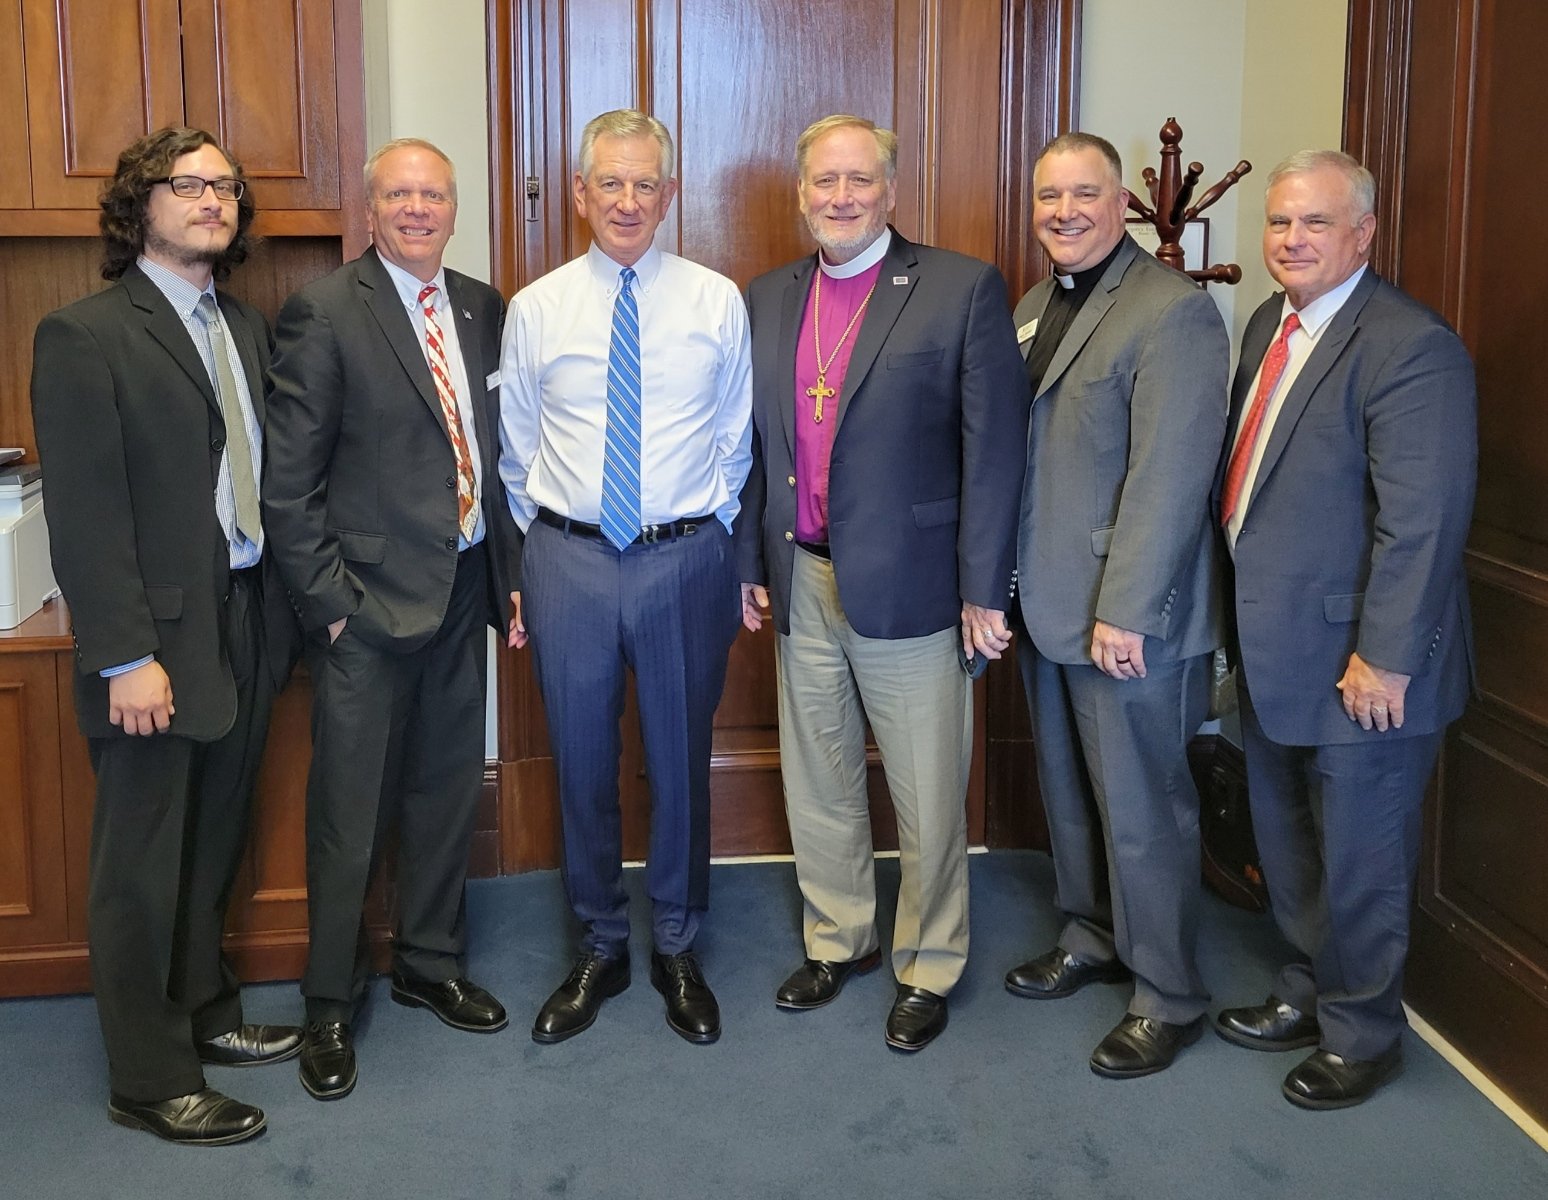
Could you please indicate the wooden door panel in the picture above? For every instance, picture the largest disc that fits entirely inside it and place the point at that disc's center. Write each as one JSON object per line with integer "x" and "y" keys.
{"x": 16, "y": 177}
{"x": 98, "y": 77}
{"x": 1437, "y": 90}
{"x": 32, "y": 855}
{"x": 736, "y": 81}
{"x": 260, "y": 76}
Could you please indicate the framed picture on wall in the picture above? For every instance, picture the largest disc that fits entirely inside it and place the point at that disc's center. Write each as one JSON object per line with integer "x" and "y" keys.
{"x": 1195, "y": 240}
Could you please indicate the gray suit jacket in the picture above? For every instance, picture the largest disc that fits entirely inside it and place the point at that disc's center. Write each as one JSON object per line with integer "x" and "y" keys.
{"x": 1353, "y": 535}
{"x": 1126, "y": 431}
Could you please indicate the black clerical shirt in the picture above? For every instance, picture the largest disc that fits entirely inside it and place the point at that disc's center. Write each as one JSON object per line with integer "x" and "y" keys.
{"x": 1070, "y": 292}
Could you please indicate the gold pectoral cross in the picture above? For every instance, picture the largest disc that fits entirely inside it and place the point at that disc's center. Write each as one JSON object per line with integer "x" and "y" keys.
{"x": 819, "y": 393}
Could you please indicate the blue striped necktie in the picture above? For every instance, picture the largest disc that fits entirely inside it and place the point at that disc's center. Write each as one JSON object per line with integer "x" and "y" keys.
{"x": 621, "y": 520}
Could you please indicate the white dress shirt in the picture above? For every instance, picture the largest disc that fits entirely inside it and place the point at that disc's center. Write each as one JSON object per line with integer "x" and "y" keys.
{"x": 696, "y": 390}
{"x": 1315, "y": 318}
{"x": 446, "y": 317}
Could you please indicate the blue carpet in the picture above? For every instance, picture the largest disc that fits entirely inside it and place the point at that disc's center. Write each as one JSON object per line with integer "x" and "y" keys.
{"x": 786, "y": 1105}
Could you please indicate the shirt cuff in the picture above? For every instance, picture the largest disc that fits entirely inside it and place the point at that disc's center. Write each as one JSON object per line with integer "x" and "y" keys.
{"x": 126, "y": 667}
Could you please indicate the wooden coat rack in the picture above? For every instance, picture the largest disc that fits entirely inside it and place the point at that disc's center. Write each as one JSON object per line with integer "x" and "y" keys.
{"x": 1170, "y": 212}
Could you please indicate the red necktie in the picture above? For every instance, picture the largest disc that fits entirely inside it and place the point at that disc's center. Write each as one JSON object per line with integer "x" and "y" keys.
{"x": 467, "y": 517}
{"x": 1241, "y": 458}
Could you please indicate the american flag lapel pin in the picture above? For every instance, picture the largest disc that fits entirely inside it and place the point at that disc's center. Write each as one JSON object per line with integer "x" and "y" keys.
{"x": 466, "y": 315}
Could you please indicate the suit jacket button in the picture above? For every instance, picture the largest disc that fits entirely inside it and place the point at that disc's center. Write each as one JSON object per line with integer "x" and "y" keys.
{"x": 217, "y": 444}
{"x": 451, "y": 543}
{"x": 451, "y": 481}
{"x": 790, "y": 479}
{"x": 789, "y": 537}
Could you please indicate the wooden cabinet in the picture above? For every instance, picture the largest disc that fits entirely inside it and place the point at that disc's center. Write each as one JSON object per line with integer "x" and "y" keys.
{"x": 278, "y": 82}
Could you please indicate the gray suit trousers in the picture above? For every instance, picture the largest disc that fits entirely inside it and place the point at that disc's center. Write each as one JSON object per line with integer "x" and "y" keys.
{"x": 1123, "y": 815}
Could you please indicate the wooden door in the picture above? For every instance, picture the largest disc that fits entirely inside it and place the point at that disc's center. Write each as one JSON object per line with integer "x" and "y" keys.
{"x": 968, "y": 86}
{"x": 259, "y": 75}
{"x": 98, "y": 77}
{"x": 1442, "y": 102}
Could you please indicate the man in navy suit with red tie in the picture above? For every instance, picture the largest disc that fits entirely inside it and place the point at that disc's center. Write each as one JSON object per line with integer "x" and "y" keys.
{"x": 1344, "y": 496}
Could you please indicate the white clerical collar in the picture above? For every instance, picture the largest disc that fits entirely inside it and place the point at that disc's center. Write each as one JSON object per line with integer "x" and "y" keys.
{"x": 860, "y": 263}
{"x": 1324, "y": 308}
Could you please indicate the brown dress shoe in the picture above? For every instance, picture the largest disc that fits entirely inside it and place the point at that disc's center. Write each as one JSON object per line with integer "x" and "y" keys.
{"x": 202, "y": 1118}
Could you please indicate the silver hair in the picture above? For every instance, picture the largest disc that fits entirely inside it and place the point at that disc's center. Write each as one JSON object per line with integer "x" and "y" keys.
{"x": 387, "y": 148}
{"x": 1362, "y": 184}
{"x": 886, "y": 140}
{"x": 625, "y": 123}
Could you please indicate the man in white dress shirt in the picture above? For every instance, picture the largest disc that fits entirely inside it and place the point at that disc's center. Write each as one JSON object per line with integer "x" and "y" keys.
{"x": 625, "y": 402}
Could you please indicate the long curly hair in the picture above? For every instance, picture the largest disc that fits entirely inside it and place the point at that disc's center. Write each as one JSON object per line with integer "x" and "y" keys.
{"x": 126, "y": 198}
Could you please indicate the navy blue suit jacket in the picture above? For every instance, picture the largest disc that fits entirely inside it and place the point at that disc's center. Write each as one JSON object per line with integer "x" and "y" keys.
{"x": 928, "y": 456}
{"x": 1354, "y": 531}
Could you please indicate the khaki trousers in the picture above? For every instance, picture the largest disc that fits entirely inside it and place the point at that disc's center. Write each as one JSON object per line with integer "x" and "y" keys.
{"x": 916, "y": 697}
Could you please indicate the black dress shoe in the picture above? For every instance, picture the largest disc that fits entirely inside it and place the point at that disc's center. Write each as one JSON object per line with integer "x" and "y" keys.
{"x": 917, "y": 1019}
{"x": 1059, "y": 973}
{"x": 817, "y": 981}
{"x": 202, "y": 1118}
{"x": 328, "y": 1060}
{"x": 575, "y": 1002}
{"x": 251, "y": 1046}
{"x": 1273, "y": 1025}
{"x": 1325, "y": 1080}
{"x": 691, "y": 1010}
{"x": 460, "y": 1003}
{"x": 1142, "y": 1046}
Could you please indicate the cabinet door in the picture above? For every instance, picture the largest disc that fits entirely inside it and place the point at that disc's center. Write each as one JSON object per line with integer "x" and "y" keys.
{"x": 16, "y": 176}
{"x": 33, "y": 908}
{"x": 98, "y": 76}
{"x": 260, "y": 76}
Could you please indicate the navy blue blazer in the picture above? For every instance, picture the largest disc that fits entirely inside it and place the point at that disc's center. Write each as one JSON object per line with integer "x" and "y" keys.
{"x": 1355, "y": 528}
{"x": 928, "y": 456}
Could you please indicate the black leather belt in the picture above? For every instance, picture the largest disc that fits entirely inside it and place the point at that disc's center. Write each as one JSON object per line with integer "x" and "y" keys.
{"x": 650, "y": 535}
{"x": 820, "y": 549}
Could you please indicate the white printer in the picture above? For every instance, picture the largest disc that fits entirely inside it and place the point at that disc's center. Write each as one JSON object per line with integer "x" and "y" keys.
{"x": 26, "y": 575}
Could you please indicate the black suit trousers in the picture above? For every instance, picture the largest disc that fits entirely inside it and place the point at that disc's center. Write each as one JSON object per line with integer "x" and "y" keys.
{"x": 167, "y": 835}
{"x": 397, "y": 738}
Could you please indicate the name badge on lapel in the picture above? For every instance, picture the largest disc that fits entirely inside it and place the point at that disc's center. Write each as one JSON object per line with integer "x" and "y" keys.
{"x": 1027, "y": 332}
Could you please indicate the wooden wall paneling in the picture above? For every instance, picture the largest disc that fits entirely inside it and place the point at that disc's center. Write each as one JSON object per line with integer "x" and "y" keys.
{"x": 260, "y": 76}
{"x": 32, "y": 892}
{"x": 98, "y": 76}
{"x": 37, "y": 275}
{"x": 1455, "y": 79}
{"x": 16, "y": 177}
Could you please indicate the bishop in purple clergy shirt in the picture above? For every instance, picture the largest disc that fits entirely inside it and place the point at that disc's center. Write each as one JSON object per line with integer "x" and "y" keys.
{"x": 878, "y": 532}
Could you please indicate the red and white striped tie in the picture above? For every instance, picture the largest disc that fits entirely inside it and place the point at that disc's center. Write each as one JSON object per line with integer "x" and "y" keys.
{"x": 467, "y": 509}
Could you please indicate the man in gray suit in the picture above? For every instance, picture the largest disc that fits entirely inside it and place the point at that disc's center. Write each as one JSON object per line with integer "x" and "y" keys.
{"x": 1120, "y": 596}
{"x": 1345, "y": 498}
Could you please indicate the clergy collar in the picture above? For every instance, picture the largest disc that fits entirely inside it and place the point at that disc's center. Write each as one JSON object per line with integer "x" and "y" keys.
{"x": 860, "y": 263}
{"x": 1084, "y": 281}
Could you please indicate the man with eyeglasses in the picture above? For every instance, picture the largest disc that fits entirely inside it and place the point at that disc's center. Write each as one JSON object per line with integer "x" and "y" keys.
{"x": 148, "y": 403}
{"x": 384, "y": 506}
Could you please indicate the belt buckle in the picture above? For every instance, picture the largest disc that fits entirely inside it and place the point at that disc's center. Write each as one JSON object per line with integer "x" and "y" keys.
{"x": 651, "y": 534}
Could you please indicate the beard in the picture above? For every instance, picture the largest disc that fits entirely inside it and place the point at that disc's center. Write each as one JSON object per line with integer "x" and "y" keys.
{"x": 189, "y": 256}
{"x": 842, "y": 249}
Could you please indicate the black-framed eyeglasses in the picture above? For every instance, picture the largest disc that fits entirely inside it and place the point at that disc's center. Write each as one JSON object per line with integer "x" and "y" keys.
{"x": 191, "y": 187}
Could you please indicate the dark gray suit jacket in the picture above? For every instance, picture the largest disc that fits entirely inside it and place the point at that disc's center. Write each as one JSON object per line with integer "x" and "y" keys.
{"x": 130, "y": 435}
{"x": 360, "y": 496}
{"x": 1126, "y": 431}
{"x": 1353, "y": 535}
{"x": 927, "y": 458}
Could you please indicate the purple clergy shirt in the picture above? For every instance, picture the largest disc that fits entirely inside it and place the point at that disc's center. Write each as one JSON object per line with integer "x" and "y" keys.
{"x": 814, "y": 439}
